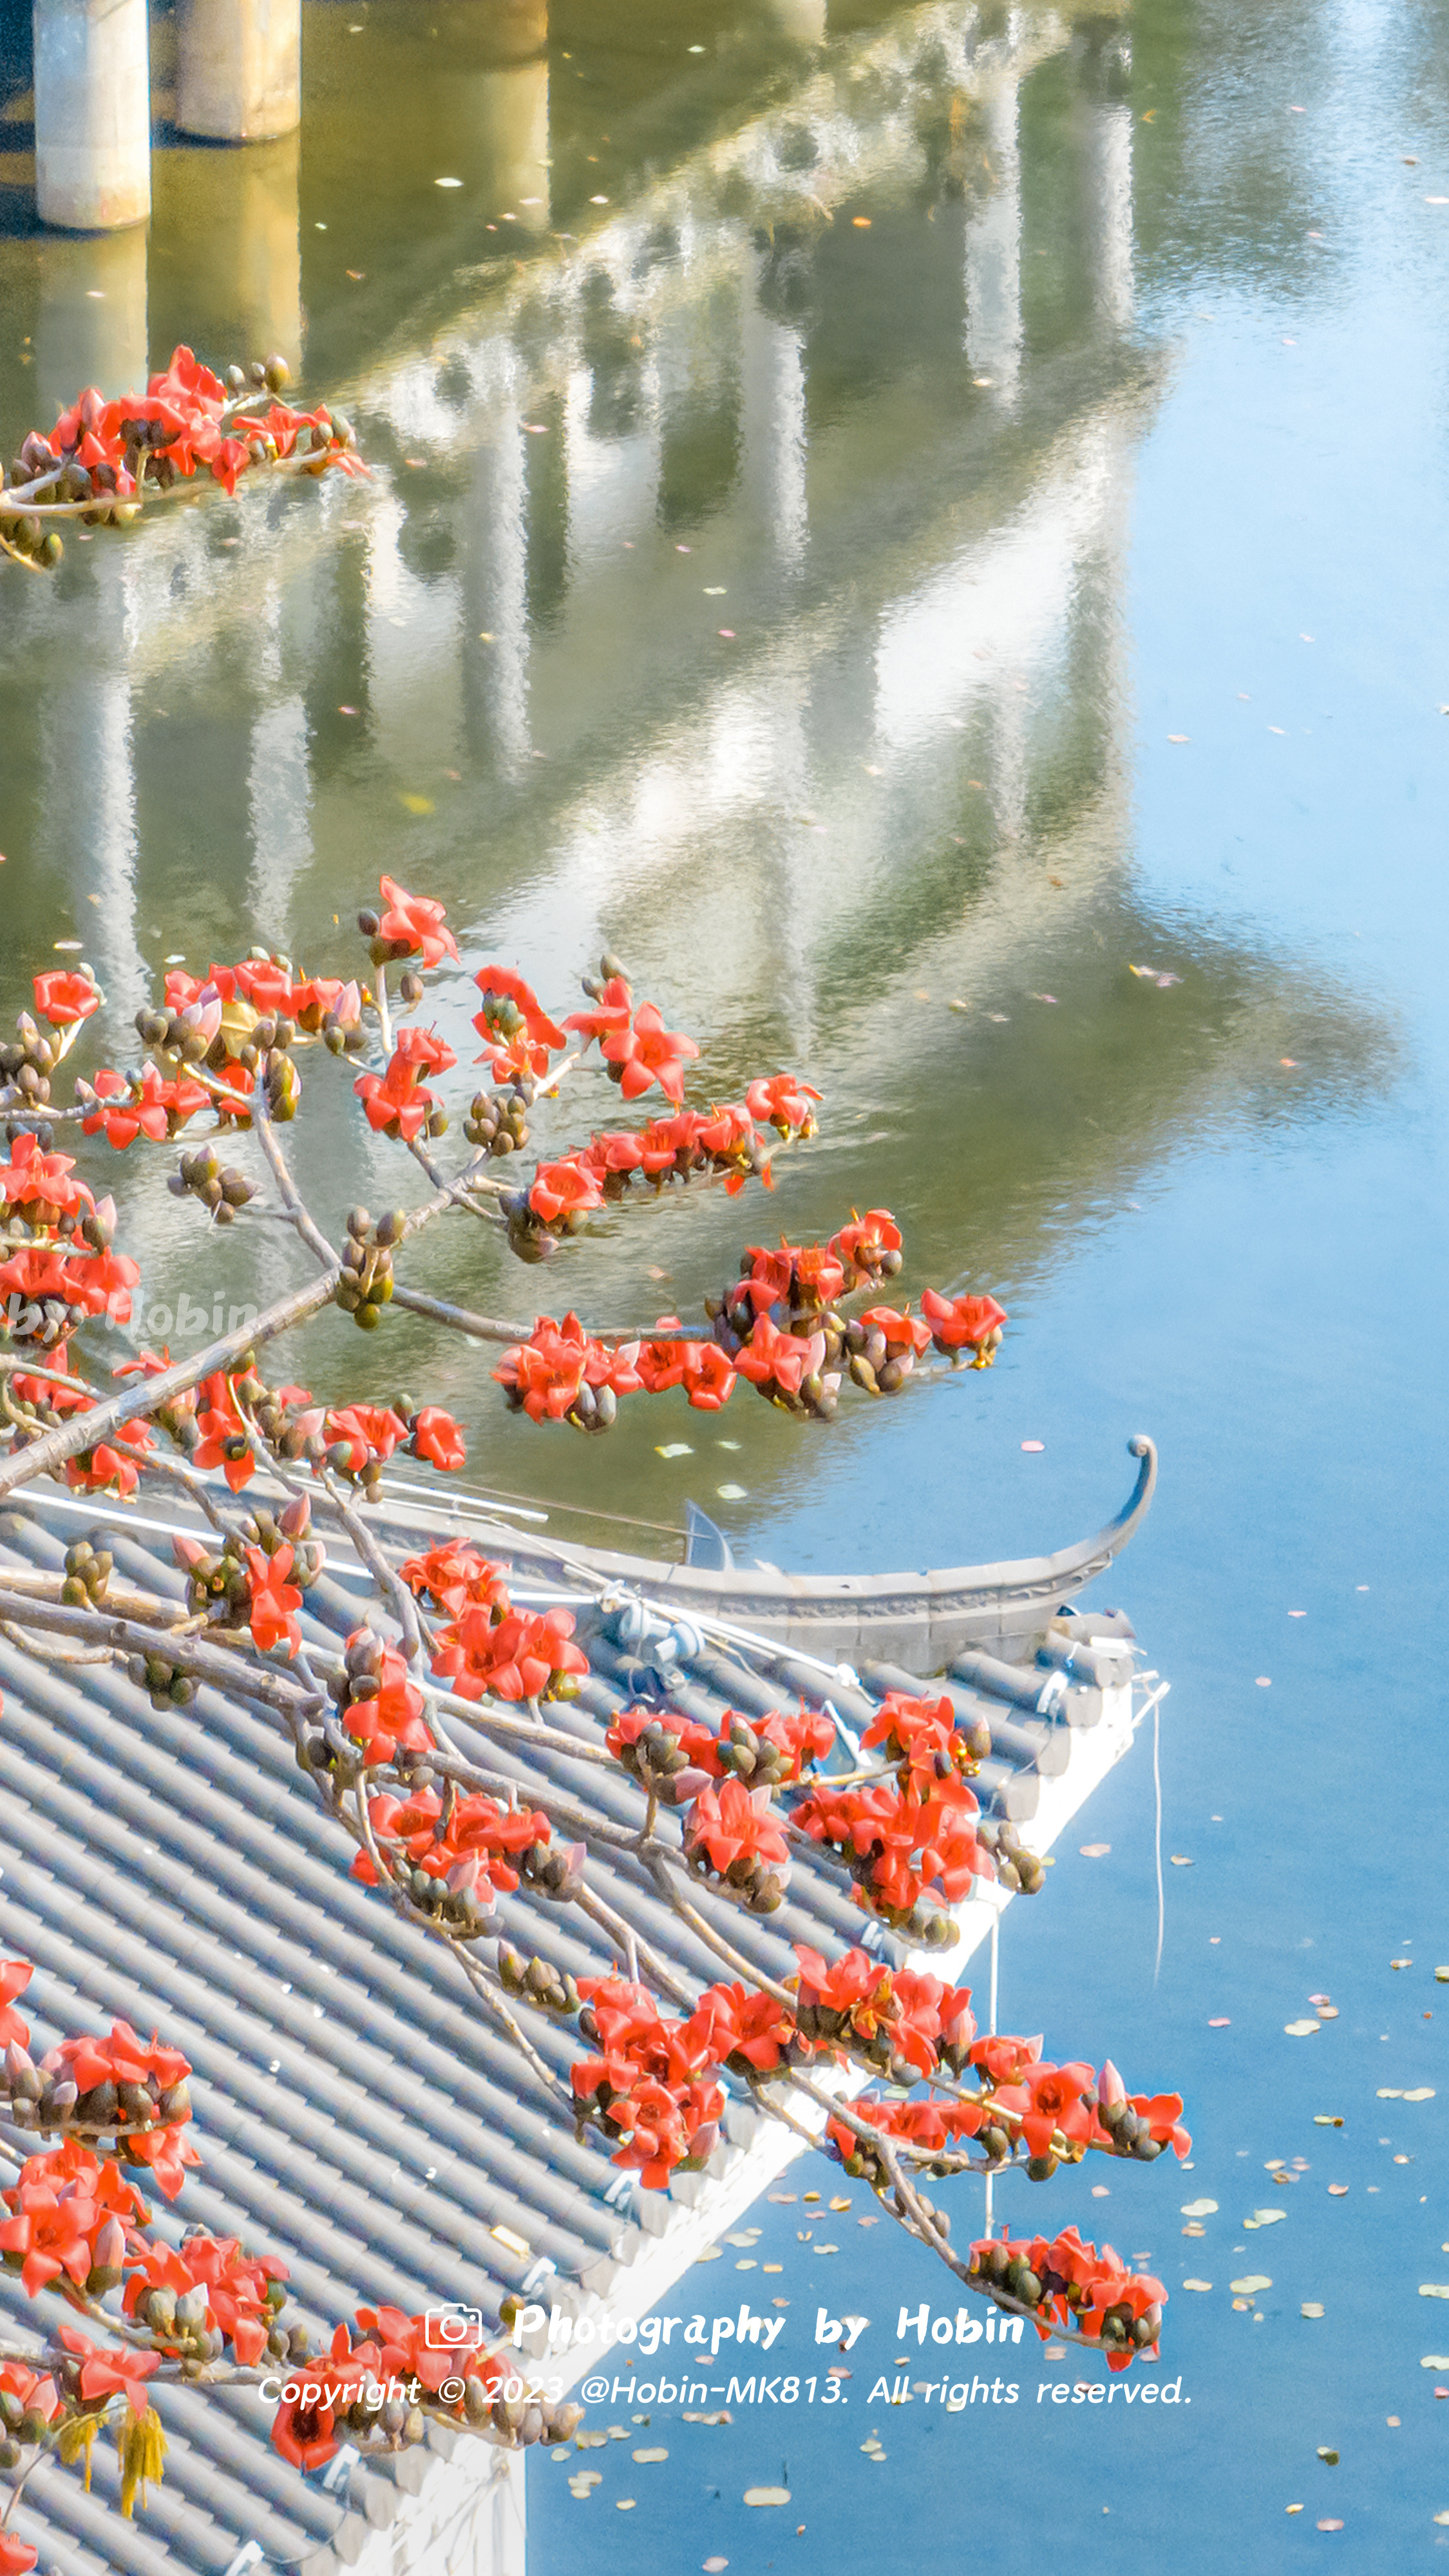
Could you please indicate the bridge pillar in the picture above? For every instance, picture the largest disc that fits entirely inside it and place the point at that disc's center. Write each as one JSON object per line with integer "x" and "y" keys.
{"x": 92, "y": 114}
{"x": 239, "y": 69}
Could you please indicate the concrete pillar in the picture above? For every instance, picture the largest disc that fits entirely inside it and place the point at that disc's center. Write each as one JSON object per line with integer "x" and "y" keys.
{"x": 92, "y": 114}
{"x": 239, "y": 69}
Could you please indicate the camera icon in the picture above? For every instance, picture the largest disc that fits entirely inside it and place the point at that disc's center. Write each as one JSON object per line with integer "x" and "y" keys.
{"x": 453, "y": 2328}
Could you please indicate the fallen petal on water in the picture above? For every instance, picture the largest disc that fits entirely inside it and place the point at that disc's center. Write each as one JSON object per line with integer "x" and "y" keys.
{"x": 767, "y": 2495}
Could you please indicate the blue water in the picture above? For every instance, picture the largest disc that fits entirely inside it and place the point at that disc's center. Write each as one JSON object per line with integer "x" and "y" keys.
{"x": 822, "y": 646}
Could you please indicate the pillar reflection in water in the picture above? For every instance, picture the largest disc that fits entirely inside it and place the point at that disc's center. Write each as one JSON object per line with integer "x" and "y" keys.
{"x": 495, "y": 604}
{"x": 90, "y": 319}
{"x": 231, "y": 278}
{"x": 802, "y": 21}
{"x": 86, "y": 839}
{"x": 279, "y": 784}
{"x": 456, "y": 91}
{"x": 1109, "y": 174}
{"x": 774, "y": 428}
{"x": 993, "y": 247}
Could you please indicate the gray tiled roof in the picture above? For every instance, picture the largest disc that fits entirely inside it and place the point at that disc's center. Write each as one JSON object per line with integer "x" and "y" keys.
{"x": 355, "y": 2114}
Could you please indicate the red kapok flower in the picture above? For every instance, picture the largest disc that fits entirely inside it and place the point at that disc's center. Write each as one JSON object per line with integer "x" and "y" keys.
{"x": 303, "y": 2427}
{"x": 416, "y": 919}
{"x": 225, "y": 1442}
{"x": 436, "y": 1437}
{"x": 609, "y": 1015}
{"x": 709, "y": 1376}
{"x": 784, "y": 1103}
{"x": 564, "y": 1189}
{"x": 962, "y": 1322}
{"x": 273, "y": 1601}
{"x": 41, "y": 1181}
{"x": 538, "y": 1027}
{"x": 15, "y": 1976}
{"x": 64, "y": 996}
{"x": 649, "y": 1052}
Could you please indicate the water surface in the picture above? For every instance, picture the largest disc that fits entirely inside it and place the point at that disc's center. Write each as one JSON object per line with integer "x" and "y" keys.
{"x": 964, "y": 518}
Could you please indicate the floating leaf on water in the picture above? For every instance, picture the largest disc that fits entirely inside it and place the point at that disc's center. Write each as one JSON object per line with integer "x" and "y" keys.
{"x": 1033, "y": 1448}
{"x": 1330, "y": 2523}
{"x": 1326, "y": 2012}
{"x": 417, "y": 804}
{"x": 673, "y": 1449}
{"x": 840, "y": 2204}
{"x": 1390, "y": 2093}
{"x": 1338, "y": 2191}
{"x": 709, "y": 2254}
{"x": 1180, "y": 1860}
{"x": 1401, "y": 1963}
{"x": 1250, "y": 2282}
{"x": 1329, "y": 2458}
{"x": 1265, "y": 2217}
{"x": 1421, "y": 2093}
{"x": 1328, "y": 2119}
{"x": 767, "y": 2495}
{"x": 1221, "y": 2023}
{"x": 714, "y": 2566}
{"x": 731, "y": 1493}
{"x": 1302, "y": 2029}
{"x": 1435, "y": 2361}
{"x": 1199, "y": 2209}
{"x": 1095, "y": 1851}
{"x": 651, "y": 2455}
{"x": 623, "y": 2504}
{"x": 1434, "y": 2289}
{"x": 1311, "y": 2308}
{"x": 1197, "y": 2285}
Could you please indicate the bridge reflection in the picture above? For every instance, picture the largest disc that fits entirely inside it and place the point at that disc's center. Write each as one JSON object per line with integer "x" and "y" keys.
{"x": 746, "y": 579}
